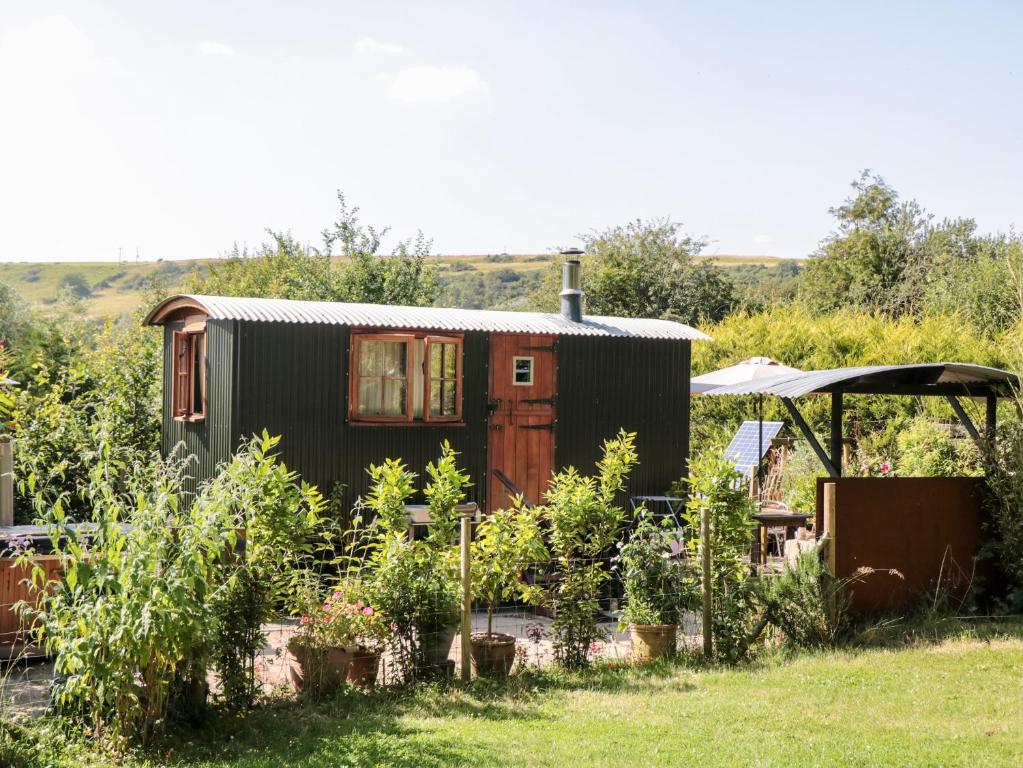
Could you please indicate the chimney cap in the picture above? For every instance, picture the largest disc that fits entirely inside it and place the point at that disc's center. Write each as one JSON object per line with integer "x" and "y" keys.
{"x": 572, "y": 253}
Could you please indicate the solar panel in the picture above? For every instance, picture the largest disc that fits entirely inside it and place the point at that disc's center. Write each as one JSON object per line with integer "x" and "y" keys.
{"x": 743, "y": 448}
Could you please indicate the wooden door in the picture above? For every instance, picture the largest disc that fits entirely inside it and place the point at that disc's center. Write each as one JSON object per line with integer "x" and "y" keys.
{"x": 523, "y": 374}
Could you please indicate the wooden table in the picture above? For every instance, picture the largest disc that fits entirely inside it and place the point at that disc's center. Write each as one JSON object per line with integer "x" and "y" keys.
{"x": 777, "y": 518}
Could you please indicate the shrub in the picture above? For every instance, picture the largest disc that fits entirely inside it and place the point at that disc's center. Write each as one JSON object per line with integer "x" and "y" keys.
{"x": 806, "y": 603}
{"x": 1003, "y": 462}
{"x": 139, "y": 613}
{"x": 927, "y": 449}
{"x": 799, "y": 477}
{"x": 659, "y": 589}
{"x": 583, "y": 522}
{"x": 414, "y": 582}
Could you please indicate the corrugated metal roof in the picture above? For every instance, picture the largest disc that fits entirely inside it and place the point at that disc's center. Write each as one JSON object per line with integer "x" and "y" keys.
{"x": 882, "y": 378}
{"x": 428, "y": 318}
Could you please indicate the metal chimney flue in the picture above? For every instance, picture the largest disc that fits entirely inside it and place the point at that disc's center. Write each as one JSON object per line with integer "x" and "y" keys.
{"x": 571, "y": 286}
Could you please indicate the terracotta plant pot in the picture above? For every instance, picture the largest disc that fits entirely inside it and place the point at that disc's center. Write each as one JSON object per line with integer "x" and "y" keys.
{"x": 318, "y": 671}
{"x": 653, "y": 641}
{"x": 362, "y": 671}
{"x": 493, "y": 654}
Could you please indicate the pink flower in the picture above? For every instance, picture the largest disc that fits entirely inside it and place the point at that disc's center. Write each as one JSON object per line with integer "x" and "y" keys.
{"x": 367, "y": 611}
{"x": 358, "y": 605}
{"x": 327, "y": 619}
{"x": 338, "y": 595}
{"x": 596, "y": 647}
{"x": 885, "y": 468}
{"x": 304, "y": 620}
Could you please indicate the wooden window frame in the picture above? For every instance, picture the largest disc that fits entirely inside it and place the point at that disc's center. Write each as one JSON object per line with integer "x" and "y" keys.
{"x": 184, "y": 376}
{"x": 354, "y": 377}
{"x": 428, "y": 379}
{"x": 408, "y": 418}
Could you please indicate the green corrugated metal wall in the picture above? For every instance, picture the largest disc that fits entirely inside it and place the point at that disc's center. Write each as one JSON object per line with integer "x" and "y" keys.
{"x": 605, "y": 384}
{"x": 209, "y": 441}
{"x": 291, "y": 379}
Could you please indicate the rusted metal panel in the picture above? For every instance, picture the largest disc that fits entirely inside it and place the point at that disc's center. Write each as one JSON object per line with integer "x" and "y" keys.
{"x": 427, "y": 318}
{"x": 913, "y": 531}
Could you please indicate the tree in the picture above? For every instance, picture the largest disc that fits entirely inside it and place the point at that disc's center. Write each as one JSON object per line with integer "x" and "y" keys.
{"x": 891, "y": 257}
{"x": 349, "y": 267}
{"x": 647, "y": 269}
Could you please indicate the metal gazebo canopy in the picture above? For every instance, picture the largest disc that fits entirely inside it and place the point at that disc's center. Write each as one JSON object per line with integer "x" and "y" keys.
{"x": 948, "y": 380}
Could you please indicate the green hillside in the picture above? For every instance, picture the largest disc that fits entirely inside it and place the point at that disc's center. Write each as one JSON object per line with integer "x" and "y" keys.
{"x": 473, "y": 281}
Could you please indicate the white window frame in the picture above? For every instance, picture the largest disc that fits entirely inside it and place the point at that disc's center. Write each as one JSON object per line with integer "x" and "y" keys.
{"x": 532, "y": 370}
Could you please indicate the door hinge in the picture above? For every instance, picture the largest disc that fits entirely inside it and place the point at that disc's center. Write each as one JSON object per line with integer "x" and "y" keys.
{"x": 549, "y": 426}
{"x": 540, "y": 400}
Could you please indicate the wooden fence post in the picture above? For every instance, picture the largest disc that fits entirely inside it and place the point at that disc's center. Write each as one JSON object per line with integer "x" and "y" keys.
{"x": 829, "y": 523}
{"x": 708, "y": 584}
{"x": 466, "y": 643}
{"x": 6, "y": 481}
{"x": 832, "y": 553}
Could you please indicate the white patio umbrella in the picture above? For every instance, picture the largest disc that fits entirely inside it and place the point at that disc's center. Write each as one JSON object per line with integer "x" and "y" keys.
{"x": 741, "y": 373}
{"x": 747, "y": 370}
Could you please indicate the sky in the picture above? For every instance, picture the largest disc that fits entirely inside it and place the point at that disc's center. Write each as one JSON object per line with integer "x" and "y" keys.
{"x": 176, "y": 129}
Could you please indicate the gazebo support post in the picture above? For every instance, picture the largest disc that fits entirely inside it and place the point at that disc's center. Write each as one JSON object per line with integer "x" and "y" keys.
{"x": 836, "y": 433}
{"x": 991, "y": 420}
{"x": 811, "y": 438}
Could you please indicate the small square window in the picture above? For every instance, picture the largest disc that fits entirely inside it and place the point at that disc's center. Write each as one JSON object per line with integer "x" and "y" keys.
{"x": 522, "y": 371}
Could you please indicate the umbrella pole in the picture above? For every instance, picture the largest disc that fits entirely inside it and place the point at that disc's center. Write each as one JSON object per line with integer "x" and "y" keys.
{"x": 760, "y": 448}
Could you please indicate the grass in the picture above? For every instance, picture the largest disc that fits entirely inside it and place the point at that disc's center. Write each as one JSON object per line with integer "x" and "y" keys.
{"x": 956, "y": 702}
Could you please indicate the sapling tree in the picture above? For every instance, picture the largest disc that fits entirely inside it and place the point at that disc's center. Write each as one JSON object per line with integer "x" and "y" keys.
{"x": 507, "y": 542}
{"x": 584, "y": 521}
{"x": 714, "y": 483}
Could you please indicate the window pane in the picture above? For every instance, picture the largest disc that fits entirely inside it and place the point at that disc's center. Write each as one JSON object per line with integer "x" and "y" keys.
{"x": 197, "y": 373}
{"x": 369, "y": 396}
{"x": 382, "y": 358}
{"x": 448, "y": 399}
{"x": 394, "y": 397}
{"x": 450, "y": 360}
{"x": 443, "y": 398}
{"x": 443, "y": 361}
{"x": 523, "y": 372}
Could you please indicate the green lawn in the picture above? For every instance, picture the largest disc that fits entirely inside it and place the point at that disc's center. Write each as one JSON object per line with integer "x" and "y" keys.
{"x": 958, "y": 702}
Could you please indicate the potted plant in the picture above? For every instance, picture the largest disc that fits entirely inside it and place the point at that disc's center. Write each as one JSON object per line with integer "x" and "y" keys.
{"x": 339, "y": 639}
{"x": 506, "y": 543}
{"x": 658, "y": 588}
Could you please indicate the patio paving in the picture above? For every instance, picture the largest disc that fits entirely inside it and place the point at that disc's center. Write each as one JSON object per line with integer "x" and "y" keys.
{"x": 25, "y": 685}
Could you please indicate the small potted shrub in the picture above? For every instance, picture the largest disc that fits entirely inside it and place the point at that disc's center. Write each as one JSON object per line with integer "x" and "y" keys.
{"x": 339, "y": 639}
{"x": 658, "y": 589}
{"x": 506, "y": 543}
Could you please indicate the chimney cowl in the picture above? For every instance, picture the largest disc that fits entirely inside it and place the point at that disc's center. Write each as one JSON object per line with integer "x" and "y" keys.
{"x": 571, "y": 286}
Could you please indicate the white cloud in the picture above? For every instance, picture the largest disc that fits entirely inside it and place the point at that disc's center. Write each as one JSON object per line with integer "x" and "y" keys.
{"x": 763, "y": 239}
{"x": 213, "y": 48}
{"x": 367, "y": 45}
{"x": 435, "y": 85}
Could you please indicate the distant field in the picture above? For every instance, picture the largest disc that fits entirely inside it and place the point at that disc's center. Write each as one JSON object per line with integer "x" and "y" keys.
{"x": 109, "y": 288}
